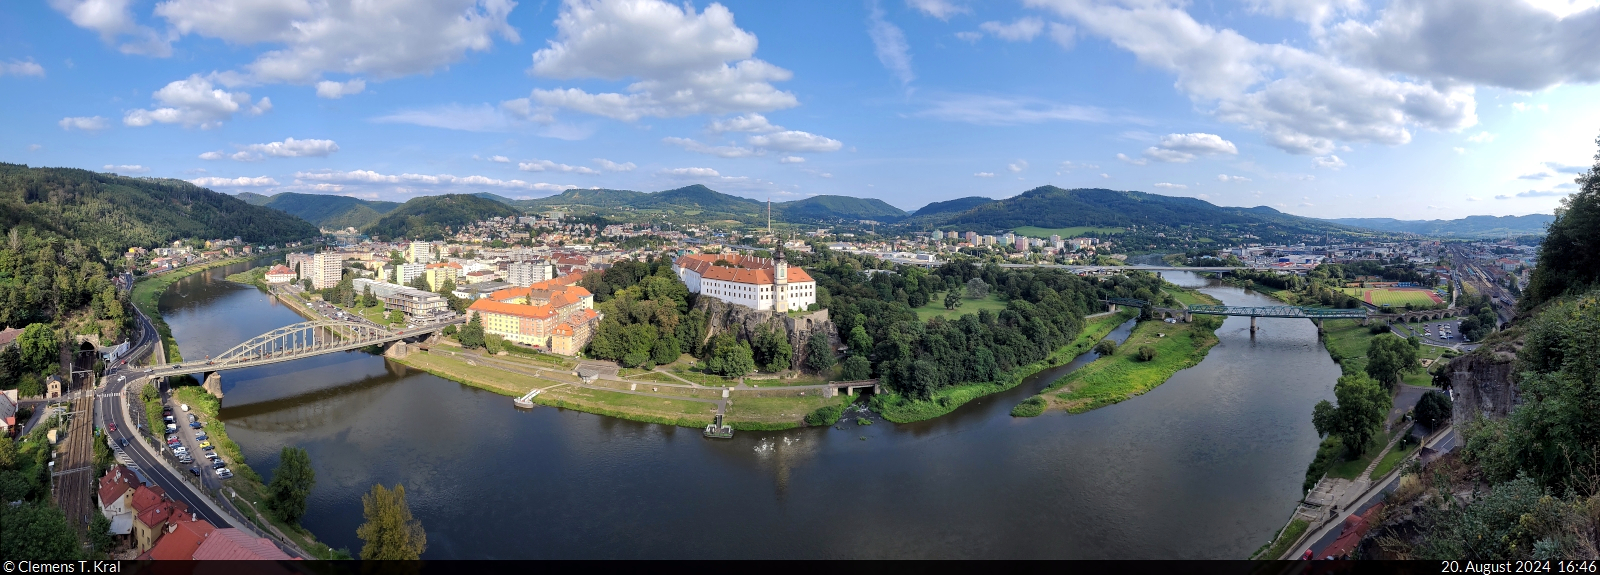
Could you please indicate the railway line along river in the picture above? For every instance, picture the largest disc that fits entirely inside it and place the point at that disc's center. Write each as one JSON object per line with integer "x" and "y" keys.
{"x": 1208, "y": 465}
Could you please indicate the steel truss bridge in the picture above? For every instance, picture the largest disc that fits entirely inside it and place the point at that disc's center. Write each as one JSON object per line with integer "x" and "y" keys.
{"x": 1288, "y": 311}
{"x": 299, "y": 341}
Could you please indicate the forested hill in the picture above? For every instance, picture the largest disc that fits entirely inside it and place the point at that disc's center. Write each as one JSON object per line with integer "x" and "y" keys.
{"x": 1052, "y": 207}
{"x": 114, "y": 212}
{"x": 328, "y": 211}
{"x": 432, "y": 217}
{"x": 955, "y": 206}
{"x": 1470, "y": 226}
{"x": 839, "y": 207}
{"x": 698, "y": 202}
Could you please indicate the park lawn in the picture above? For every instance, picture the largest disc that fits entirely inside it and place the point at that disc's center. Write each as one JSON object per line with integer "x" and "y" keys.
{"x": 1391, "y": 459}
{"x": 1190, "y": 297}
{"x": 935, "y": 307}
{"x": 681, "y": 413}
{"x": 480, "y": 376}
{"x": 1120, "y": 377}
{"x": 1072, "y": 232}
{"x": 655, "y": 377}
{"x": 1347, "y": 341}
{"x": 1352, "y": 468}
{"x": 692, "y": 374}
{"x": 777, "y": 412}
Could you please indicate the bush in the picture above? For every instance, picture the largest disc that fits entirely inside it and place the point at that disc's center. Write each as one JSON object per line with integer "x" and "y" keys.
{"x": 825, "y": 415}
{"x": 1106, "y": 348}
{"x": 1031, "y": 407}
{"x": 1330, "y": 452}
{"x": 1147, "y": 352}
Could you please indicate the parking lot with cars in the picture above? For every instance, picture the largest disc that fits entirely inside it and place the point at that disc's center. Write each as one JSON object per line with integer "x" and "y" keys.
{"x": 191, "y": 445}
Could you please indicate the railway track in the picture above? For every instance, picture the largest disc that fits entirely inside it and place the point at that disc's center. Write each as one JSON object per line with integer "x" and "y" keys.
{"x": 73, "y": 474}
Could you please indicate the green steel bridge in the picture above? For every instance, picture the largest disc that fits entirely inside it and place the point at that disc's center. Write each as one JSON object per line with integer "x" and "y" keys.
{"x": 1316, "y": 314}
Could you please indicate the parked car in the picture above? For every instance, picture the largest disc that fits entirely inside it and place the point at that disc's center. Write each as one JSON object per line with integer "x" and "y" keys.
{"x": 212, "y": 455}
{"x": 186, "y": 407}
{"x": 195, "y": 471}
{"x": 192, "y": 417}
{"x": 224, "y": 473}
{"x": 218, "y": 464}
{"x": 205, "y": 444}
{"x": 200, "y": 437}
{"x": 208, "y": 448}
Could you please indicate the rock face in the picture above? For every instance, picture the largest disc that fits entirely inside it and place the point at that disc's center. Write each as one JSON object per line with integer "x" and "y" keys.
{"x": 1482, "y": 383}
{"x": 744, "y": 321}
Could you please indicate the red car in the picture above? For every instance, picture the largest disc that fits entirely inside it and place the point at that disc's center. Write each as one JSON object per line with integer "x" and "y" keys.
{"x": 113, "y": 426}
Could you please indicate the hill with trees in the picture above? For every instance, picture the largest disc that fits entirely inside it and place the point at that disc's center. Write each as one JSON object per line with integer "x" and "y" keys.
{"x": 434, "y": 217}
{"x": 1468, "y": 227}
{"x": 328, "y": 211}
{"x": 824, "y": 208}
{"x": 955, "y": 206}
{"x": 700, "y": 203}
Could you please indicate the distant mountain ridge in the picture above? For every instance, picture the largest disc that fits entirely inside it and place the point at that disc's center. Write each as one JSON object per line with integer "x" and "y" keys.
{"x": 1053, "y": 207}
{"x": 708, "y": 204}
{"x": 327, "y": 211}
{"x": 433, "y": 217}
{"x": 1470, "y": 226}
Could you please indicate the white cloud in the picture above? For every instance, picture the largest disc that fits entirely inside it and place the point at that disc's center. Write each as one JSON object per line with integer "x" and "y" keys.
{"x": 217, "y": 155}
{"x": 549, "y": 166}
{"x": 1181, "y": 148}
{"x": 691, "y": 172}
{"x": 941, "y": 9}
{"x": 239, "y": 182}
{"x": 35, "y": 147}
{"x": 335, "y": 90}
{"x": 1022, "y": 30}
{"x": 1134, "y": 161}
{"x": 1536, "y": 176}
{"x": 1523, "y": 107}
{"x": 1300, "y": 101}
{"x": 791, "y": 160}
{"x": 1063, "y": 35}
{"x": 1017, "y": 166}
{"x": 1541, "y": 194}
{"x": 85, "y": 123}
{"x": 611, "y": 166}
{"x": 996, "y": 111}
{"x": 889, "y": 43}
{"x": 1514, "y": 45}
{"x": 371, "y": 177}
{"x": 984, "y": 174}
{"x": 114, "y": 19}
{"x": 16, "y": 67}
{"x": 719, "y": 151}
{"x": 1172, "y": 186}
{"x": 1459, "y": 150}
{"x": 288, "y": 148}
{"x": 746, "y": 123}
{"x": 969, "y": 36}
{"x": 1313, "y": 12}
{"x": 1481, "y": 138}
{"x": 500, "y": 159}
{"x": 1561, "y": 168}
{"x": 1503, "y": 197}
{"x": 1471, "y": 199}
{"x": 795, "y": 141}
{"x": 194, "y": 101}
{"x": 126, "y": 168}
{"x": 1228, "y": 178}
{"x": 681, "y": 61}
{"x": 1329, "y": 162}
{"x": 378, "y": 39}
{"x": 1071, "y": 165}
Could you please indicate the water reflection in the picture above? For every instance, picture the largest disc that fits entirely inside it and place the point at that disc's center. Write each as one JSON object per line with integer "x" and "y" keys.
{"x": 1207, "y": 465}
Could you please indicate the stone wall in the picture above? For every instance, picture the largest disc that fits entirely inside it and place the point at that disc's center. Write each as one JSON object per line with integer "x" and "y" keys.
{"x": 744, "y": 322}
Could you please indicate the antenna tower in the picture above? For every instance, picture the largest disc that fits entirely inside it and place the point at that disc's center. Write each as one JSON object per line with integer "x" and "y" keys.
{"x": 769, "y": 215}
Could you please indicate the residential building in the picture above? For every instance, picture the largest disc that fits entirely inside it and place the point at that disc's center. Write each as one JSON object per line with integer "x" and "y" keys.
{"x": 279, "y": 274}
{"x": 8, "y": 411}
{"x": 300, "y": 263}
{"x": 152, "y": 512}
{"x": 1021, "y": 243}
{"x": 438, "y": 273}
{"x": 235, "y": 545}
{"x": 557, "y": 315}
{"x": 181, "y": 543}
{"x": 527, "y": 273}
{"x": 757, "y": 283}
{"x": 420, "y": 252}
{"x": 409, "y": 273}
{"x": 410, "y": 301}
{"x": 326, "y": 270}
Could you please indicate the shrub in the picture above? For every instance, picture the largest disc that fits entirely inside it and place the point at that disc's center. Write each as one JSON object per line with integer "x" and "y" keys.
{"x": 1147, "y": 352}
{"x": 1330, "y": 452}
{"x": 825, "y": 415}
{"x": 1106, "y": 348}
{"x": 1031, "y": 407}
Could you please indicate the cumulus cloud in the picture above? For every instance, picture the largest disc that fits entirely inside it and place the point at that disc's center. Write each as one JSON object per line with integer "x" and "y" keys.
{"x": 941, "y": 9}
{"x": 691, "y": 172}
{"x": 288, "y": 148}
{"x": 611, "y": 166}
{"x": 549, "y": 166}
{"x": 442, "y": 180}
{"x": 1071, "y": 165}
{"x": 16, "y": 67}
{"x": 1017, "y": 166}
{"x": 1300, "y": 101}
{"x": 745, "y": 123}
{"x": 1134, "y": 161}
{"x": 984, "y": 174}
{"x": 766, "y": 136}
{"x": 795, "y": 141}
{"x": 500, "y": 159}
{"x": 126, "y": 169}
{"x": 1182, "y": 148}
{"x": 239, "y": 182}
{"x": 1541, "y": 194}
{"x": 1482, "y": 138}
{"x": 113, "y": 20}
{"x": 719, "y": 151}
{"x": 969, "y": 36}
{"x": 1561, "y": 168}
{"x": 791, "y": 160}
{"x": 1228, "y": 178}
{"x": 1172, "y": 186}
{"x": 1536, "y": 176}
{"x": 998, "y": 111}
{"x": 1313, "y": 12}
{"x": 85, "y": 123}
{"x": 215, "y": 155}
{"x": 1063, "y": 35}
{"x": 1329, "y": 162}
{"x": 684, "y": 63}
{"x": 889, "y": 43}
{"x": 1021, "y": 30}
{"x": 194, "y": 101}
{"x": 335, "y": 90}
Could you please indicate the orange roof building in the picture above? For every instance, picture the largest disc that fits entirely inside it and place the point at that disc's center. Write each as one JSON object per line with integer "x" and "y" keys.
{"x": 556, "y": 315}
{"x": 180, "y": 543}
{"x": 756, "y": 283}
{"x": 234, "y": 545}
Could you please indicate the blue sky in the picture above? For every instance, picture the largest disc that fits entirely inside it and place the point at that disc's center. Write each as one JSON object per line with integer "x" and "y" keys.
{"x": 1416, "y": 109}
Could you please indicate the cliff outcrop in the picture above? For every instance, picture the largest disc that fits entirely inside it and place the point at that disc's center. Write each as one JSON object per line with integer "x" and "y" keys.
{"x": 1482, "y": 381}
{"x": 743, "y": 321}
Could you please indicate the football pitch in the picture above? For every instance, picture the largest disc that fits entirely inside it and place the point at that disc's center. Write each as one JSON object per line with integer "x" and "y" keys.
{"x": 1396, "y": 297}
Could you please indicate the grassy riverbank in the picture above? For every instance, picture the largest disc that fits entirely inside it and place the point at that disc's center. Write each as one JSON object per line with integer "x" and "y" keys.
{"x": 1119, "y": 377}
{"x": 899, "y": 409}
{"x": 147, "y": 296}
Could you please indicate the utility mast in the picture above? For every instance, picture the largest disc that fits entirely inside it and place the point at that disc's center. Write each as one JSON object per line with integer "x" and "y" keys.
{"x": 769, "y": 215}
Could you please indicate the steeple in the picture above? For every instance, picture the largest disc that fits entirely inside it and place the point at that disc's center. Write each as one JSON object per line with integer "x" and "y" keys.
{"x": 780, "y": 282}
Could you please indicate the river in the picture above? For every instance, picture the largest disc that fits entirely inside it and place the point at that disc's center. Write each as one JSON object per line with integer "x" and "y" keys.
{"x": 1208, "y": 465}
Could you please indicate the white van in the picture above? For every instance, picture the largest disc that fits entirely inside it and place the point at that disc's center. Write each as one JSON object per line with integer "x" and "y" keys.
{"x": 186, "y": 407}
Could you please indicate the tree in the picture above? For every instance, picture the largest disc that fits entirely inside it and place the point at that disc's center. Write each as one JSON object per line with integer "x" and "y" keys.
{"x": 36, "y": 531}
{"x": 1106, "y": 348}
{"x": 977, "y": 289}
{"x": 1433, "y": 408}
{"x": 772, "y": 349}
{"x": 1388, "y": 356}
{"x": 1363, "y": 405}
{"x": 390, "y": 533}
{"x": 1569, "y": 255}
{"x": 100, "y": 533}
{"x": 396, "y": 317}
{"x": 10, "y": 367}
{"x": 367, "y": 299}
{"x": 291, "y": 484}
{"x": 41, "y": 352}
{"x": 860, "y": 342}
{"x": 471, "y": 335}
{"x": 421, "y": 283}
{"x": 819, "y": 354}
{"x": 855, "y": 368}
{"x": 450, "y": 330}
{"x": 30, "y": 385}
{"x": 1147, "y": 352}
{"x": 729, "y": 356}
{"x": 952, "y": 300}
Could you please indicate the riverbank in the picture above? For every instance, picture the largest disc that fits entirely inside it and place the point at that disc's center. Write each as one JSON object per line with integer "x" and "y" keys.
{"x": 147, "y": 293}
{"x": 1116, "y": 378}
{"x": 899, "y": 409}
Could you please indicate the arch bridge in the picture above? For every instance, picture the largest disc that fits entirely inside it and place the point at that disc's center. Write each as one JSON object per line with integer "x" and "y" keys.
{"x": 299, "y": 341}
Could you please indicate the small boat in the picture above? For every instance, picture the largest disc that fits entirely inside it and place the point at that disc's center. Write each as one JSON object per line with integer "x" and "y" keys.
{"x": 716, "y": 430}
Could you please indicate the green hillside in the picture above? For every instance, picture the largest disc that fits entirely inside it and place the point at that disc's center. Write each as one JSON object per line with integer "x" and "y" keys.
{"x": 839, "y": 207}
{"x": 1470, "y": 226}
{"x": 253, "y": 198}
{"x": 957, "y": 205}
{"x": 330, "y": 211}
{"x": 432, "y": 217}
{"x": 698, "y": 203}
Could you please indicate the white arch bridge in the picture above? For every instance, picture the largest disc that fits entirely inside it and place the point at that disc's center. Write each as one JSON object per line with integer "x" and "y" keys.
{"x": 299, "y": 341}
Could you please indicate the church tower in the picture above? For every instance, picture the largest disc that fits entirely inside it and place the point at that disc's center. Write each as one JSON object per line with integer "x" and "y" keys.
{"x": 780, "y": 283}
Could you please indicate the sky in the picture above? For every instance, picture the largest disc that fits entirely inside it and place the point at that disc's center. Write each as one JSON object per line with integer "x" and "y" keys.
{"x": 1411, "y": 109}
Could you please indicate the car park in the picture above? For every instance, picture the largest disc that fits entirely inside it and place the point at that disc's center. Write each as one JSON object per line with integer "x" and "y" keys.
{"x": 194, "y": 425}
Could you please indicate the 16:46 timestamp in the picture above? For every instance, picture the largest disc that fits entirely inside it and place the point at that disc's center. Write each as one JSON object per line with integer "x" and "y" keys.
{"x": 1519, "y": 567}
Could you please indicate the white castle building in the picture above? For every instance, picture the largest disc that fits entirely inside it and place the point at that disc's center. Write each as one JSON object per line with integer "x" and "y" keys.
{"x": 757, "y": 283}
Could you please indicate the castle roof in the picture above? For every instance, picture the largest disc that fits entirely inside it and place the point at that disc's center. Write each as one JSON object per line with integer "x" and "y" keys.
{"x": 746, "y": 270}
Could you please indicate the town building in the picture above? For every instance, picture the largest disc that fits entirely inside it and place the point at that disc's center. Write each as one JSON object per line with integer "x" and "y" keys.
{"x": 180, "y": 543}
{"x": 410, "y": 301}
{"x": 556, "y": 315}
{"x": 438, "y": 273}
{"x": 279, "y": 274}
{"x": 527, "y": 273}
{"x": 230, "y": 544}
{"x": 419, "y": 252}
{"x": 326, "y": 270}
{"x": 409, "y": 273}
{"x": 757, "y": 283}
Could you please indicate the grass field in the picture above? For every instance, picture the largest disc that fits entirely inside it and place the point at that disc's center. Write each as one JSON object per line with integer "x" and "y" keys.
{"x": 1396, "y": 297}
{"x": 1120, "y": 377}
{"x": 935, "y": 307}
{"x": 1045, "y": 233}
{"x": 1290, "y": 535}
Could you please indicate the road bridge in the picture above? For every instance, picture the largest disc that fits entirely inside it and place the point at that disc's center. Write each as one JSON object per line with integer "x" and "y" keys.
{"x": 298, "y": 341}
{"x": 1186, "y": 313}
{"x": 1087, "y": 268}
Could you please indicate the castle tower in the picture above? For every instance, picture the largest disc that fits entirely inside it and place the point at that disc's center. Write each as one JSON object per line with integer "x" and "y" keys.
{"x": 780, "y": 283}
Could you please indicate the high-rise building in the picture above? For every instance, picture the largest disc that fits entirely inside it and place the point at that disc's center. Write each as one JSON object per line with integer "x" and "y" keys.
{"x": 409, "y": 272}
{"x": 1022, "y": 243}
{"x": 420, "y": 252}
{"x": 524, "y": 274}
{"x": 439, "y": 273}
{"x": 326, "y": 269}
{"x": 972, "y": 238}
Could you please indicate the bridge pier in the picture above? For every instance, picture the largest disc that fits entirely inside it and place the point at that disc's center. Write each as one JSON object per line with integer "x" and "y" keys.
{"x": 397, "y": 350}
{"x": 1252, "y": 326}
{"x": 1111, "y": 307}
{"x": 213, "y": 384}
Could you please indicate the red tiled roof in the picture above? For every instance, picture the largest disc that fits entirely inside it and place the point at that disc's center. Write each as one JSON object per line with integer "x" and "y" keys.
{"x": 488, "y": 305}
{"x": 181, "y": 543}
{"x": 279, "y": 269}
{"x": 444, "y": 265}
{"x": 117, "y": 481}
{"x": 233, "y": 544}
{"x": 563, "y": 329}
{"x": 146, "y": 497}
{"x": 749, "y": 271}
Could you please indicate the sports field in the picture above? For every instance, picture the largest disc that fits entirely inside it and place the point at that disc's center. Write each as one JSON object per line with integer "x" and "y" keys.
{"x": 1397, "y": 297}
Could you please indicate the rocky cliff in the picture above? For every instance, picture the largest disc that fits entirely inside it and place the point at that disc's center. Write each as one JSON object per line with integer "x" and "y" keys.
{"x": 744, "y": 321}
{"x": 1482, "y": 381}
